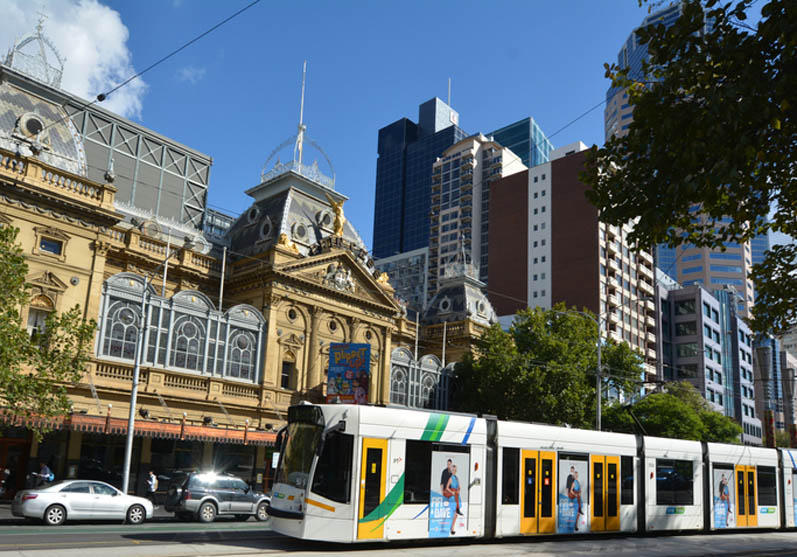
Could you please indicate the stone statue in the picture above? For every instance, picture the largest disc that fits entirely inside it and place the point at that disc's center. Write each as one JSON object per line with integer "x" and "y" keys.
{"x": 283, "y": 241}
{"x": 340, "y": 220}
{"x": 383, "y": 279}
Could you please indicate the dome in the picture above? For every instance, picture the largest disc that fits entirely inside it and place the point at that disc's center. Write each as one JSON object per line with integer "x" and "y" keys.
{"x": 35, "y": 127}
{"x": 36, "y": 57}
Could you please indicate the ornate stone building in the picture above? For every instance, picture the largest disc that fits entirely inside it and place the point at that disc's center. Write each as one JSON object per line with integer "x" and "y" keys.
{"x": 233, "y": 331}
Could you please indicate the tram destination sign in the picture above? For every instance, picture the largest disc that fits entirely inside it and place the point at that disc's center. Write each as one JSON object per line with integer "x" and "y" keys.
{"x": 349, "y": 373}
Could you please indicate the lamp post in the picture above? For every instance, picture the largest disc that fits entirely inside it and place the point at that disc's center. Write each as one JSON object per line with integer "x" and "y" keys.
{"x": 131, "y": 420}
{"x": 598, "y": 377}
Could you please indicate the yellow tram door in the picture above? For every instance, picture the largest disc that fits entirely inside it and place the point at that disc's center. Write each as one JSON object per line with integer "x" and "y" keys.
{"x": 538, "y": 492}
{"x": 372, "y": 489}
{"x": 746, "y": 503}
{"x": 605, "y": 492}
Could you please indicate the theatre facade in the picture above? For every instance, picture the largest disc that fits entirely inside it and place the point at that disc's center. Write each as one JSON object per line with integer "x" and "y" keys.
{"x": 237, "y": 327}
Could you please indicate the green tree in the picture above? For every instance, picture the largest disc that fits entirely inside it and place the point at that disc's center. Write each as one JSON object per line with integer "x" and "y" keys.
{"x": 36, "y": 371}
{"x": 714, "y": 132}
{"x": 542, "y": 369}
{"x": 677, "y": 412}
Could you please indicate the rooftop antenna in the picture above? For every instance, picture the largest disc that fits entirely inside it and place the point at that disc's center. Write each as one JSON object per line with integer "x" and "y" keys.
{"x": 449, "y": 91}
{"x": 302, "y": 127}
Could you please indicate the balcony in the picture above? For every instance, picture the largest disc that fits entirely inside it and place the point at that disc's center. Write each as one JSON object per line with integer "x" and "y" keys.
{"x": 118, "y": 376}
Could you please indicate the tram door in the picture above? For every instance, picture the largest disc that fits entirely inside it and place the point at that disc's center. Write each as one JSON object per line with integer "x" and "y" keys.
{"x": 372, "y": 488}
{"x": 605, "y": 491}
{"x": 746, "y": 504}
{"x": 538, "y": 492}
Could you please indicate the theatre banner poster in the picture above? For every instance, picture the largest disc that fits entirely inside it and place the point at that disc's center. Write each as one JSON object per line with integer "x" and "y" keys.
{"x": 349, "y": 373}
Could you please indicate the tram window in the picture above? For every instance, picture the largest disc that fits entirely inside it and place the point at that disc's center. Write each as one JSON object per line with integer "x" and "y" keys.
{"x": 627, "y": 480}
{"x": 332, "y": 478}
{"x": 417, "y": 472}
{"x": 510, "y": 476}
{"x": 674, "y": 482}
{"x": 767, "y": 493}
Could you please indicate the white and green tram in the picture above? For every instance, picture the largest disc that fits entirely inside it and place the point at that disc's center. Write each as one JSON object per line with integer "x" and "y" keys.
{"x": 351, "y": 473}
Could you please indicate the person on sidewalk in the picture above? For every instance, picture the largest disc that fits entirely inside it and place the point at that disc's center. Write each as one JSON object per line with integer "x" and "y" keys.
{"x": 152, "y": 487}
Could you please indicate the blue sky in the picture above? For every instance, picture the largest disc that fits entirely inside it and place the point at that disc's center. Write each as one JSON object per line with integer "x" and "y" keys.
{"x": 235, "y": 94}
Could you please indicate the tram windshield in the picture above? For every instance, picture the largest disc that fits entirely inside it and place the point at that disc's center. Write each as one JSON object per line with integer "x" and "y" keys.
{"x": 300, "y": 446}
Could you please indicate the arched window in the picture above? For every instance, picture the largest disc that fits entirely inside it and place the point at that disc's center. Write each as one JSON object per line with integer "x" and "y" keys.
{"x": 184, "y": 332}
{"x": 188, "y": 343}
{"x": 427, "y": 391}
{"x": 121, "y": 330}
{"x": 241, "y": 362}
{"x": 398, "y": 387}
{"x": 288, "y": 376}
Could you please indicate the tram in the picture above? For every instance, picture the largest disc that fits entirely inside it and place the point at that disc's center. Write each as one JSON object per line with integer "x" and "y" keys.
{"x": 350, "y": 473}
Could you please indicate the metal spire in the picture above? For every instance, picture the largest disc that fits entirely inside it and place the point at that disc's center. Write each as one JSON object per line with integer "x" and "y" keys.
{"x": 302, "y": 128}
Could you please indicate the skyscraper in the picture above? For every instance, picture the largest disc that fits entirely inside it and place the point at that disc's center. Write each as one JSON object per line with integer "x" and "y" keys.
{"x": 526, "y": 139}
{"x": 406, "y": 152}
{"x": 618, "y": 114}
{"x": 461, "y": 181}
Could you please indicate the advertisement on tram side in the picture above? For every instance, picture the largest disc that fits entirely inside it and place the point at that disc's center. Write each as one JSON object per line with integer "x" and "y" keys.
{"x": 349, "y": 373}
{"x": 723, "y": 497}
{"x": 573, "y": 496}
{"x": 448, "y": 495}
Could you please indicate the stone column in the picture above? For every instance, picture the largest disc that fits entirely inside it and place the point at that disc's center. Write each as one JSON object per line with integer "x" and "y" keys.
{"x": 207, "y": 455}
{"x": 312, "y": 377}
{"x": 384, "y": 368}
{"x": 73, "y": 454}
{"x": 272, "y": 364}
{"x": 91, "y": 309}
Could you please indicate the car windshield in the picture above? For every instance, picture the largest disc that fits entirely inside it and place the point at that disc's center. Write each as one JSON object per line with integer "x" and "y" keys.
{"x": 300, "y": 447}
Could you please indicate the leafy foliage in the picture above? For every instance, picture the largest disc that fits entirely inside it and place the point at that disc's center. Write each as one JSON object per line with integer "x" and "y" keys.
{"x": 677, "y": 412}
{"x": 34, "y": 372}
{"x": 714, "y": 133}
{"x": 542, "y": 369}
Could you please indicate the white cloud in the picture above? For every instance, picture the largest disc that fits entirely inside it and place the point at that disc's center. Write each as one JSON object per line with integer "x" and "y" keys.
{"x": 191, "y": 74}
{"x": 92, "y": 39}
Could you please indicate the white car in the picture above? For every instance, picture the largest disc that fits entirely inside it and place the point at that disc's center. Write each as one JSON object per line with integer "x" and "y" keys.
{"x": 80, "y": 500}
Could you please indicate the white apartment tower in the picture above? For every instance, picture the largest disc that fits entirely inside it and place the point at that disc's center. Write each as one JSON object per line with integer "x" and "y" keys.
{"x": 460, "y": 205}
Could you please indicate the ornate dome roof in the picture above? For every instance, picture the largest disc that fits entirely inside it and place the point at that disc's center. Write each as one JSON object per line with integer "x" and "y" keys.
{"x": 33, "y": 126}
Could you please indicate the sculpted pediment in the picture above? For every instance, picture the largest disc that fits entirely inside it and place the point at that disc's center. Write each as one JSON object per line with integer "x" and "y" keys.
{"x": 48, "y": 281}
{"x": 340, "y": 273}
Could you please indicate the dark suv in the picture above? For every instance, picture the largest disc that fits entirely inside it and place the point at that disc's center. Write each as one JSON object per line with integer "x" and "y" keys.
{"x": 204, "y": 496}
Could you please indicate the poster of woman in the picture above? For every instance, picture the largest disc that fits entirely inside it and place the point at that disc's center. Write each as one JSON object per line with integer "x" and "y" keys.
{"x": 723, "y": 498}
{"x": 573, "y": 501}
{"x": 448, "y": 498}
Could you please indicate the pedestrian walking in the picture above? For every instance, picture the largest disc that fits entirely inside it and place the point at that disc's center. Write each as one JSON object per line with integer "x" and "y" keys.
{"x": 152, "y": 487}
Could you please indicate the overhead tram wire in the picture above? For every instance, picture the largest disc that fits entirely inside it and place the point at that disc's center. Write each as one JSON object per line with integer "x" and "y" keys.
{"x": 102, "y": 96}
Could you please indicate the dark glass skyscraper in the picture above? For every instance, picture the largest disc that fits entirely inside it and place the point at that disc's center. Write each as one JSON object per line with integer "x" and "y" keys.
{"x": 406, "y": 151}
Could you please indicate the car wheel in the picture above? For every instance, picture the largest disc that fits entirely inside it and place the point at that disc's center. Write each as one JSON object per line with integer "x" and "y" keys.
{"x": 243, "y": 517}
{"x": 262, "y": 514}
{"x": 136, "y": 514}
{"x": 55, "y": 515}
{"x": 207, "y": 512}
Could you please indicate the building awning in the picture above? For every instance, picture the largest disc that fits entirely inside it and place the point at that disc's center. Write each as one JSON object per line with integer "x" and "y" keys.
{"x": 147, "y": 428}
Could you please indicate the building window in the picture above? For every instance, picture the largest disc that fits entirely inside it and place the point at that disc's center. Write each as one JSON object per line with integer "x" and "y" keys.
{"x": 687, "y": 350}
{"x": 686, "y": 328}
{"x": 184, "y": 332}
{"x": 542, "y": 259}
{"x": 398, "y": 387}
{"x": 286, "y": 378}
{"x": 51, "y": 246}
{"x": 37, "y": 319}
{"x": 684, "y": 307}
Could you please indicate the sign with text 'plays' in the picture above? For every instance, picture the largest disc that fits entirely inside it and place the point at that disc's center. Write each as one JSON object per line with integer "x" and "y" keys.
{"x": 349, "y": 373}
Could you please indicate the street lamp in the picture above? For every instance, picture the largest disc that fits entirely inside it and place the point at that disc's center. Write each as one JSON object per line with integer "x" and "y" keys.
{"x": 598, "y": 375}
{"x": 137, "y": 368}
{"x": 598, "y": 378}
